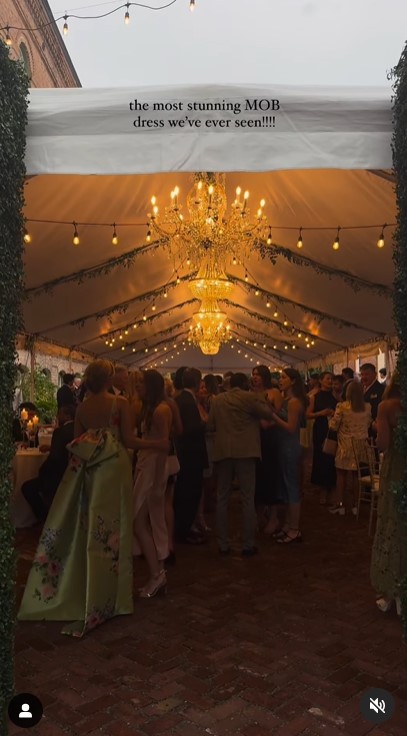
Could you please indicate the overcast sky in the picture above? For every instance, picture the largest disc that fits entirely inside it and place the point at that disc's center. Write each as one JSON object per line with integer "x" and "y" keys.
{"x": 333, "y": 42}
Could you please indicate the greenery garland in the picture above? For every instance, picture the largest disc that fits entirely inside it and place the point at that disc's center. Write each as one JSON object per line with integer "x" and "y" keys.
{"x": 288, "y": 331}
{"x": 316, "y": 313}
{"x": 13, "y": 120}
{"x": 399, "y": 146}
{"x": 355, "y": 282}
{"x": 141, "y": 323}
{"x": 120, "y": 308}
{"x": 145, "y": 341}
{"x": 125, "y": 260}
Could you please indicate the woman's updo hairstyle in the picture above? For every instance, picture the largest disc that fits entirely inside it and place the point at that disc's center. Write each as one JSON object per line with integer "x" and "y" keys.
{"x": 98, "y": 375}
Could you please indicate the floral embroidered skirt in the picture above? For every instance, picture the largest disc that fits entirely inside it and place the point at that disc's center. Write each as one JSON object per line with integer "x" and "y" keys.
{"x": 82, "y": 570}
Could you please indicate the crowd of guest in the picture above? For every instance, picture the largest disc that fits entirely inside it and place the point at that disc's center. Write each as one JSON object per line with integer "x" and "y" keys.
{"x": 194, "y": 440}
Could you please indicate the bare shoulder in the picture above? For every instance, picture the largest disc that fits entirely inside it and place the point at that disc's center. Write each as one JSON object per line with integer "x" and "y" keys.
{"x": 295, "y": 403}
{"x": 163, "y": 409}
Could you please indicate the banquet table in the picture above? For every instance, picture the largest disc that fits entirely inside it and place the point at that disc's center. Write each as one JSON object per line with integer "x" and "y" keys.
{"x": 26, "y": 464}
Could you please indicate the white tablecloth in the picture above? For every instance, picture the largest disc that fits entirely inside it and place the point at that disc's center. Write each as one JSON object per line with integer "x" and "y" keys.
{"x": 26, "y": 465}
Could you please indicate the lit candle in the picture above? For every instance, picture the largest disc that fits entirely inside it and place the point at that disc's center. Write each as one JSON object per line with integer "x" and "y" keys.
{"x": 35, "y": 420}
{"x": 29, "y": 424}
{"x": 24, "y": 414}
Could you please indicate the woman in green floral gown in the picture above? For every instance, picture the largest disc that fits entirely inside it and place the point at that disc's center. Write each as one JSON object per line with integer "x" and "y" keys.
{"x": 389, "y": 554}
{"x": 82, "y": 570}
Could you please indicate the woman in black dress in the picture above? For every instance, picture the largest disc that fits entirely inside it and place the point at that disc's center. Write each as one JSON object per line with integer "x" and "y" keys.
{"x": 267, "y": 468}
{"x": 321, "y": 409}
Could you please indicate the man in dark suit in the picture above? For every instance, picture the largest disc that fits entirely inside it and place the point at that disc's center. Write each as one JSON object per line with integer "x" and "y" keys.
{"x": 120, "y": 381}
{"x": 372, "y": 389}
{"x": 66, "y": 394}
{"x": 39, "y": 492}
{"x": 192, "y": 456}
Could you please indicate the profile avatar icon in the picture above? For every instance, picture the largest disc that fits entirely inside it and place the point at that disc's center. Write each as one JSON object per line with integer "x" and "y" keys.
{"x": 25, "y": 711}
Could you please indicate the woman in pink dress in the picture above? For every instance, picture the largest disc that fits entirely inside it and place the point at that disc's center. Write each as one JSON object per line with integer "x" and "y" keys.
{"x": 150, "y": 527}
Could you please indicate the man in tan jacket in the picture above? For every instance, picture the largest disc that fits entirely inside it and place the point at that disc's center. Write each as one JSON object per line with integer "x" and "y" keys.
{"x": 235, "y": 419}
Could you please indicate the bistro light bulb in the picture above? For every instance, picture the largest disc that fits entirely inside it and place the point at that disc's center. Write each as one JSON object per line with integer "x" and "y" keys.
{"x": 127, "y": 15}
{"x": 269, "y": 238}
{"x": 299, "y": 241}
{"x": 115, "y": 239}
{"x": 27, "y": 237}
{"x": 8, "y": 38}
{"x": 335, "y": 245}
{"x": 192, "y": 5}
{"x": 380, "y": 242}
{"x": 65, "y": 28}
{"x": 75, "y": 239}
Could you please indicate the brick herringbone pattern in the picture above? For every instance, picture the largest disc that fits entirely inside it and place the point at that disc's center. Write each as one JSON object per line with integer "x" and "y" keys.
{"x": 284, "y": 644}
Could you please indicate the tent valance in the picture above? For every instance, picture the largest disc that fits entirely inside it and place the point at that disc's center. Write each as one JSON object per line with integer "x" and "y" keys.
{"x": 207, "y": 128}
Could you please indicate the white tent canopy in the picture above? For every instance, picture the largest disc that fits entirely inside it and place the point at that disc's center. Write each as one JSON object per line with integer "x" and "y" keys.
{"x": 318, "y": 161}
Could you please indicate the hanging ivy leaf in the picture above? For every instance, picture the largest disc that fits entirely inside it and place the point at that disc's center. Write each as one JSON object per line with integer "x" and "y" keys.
{"x": 13, "y": 119}
{"x": 399, "y": 145}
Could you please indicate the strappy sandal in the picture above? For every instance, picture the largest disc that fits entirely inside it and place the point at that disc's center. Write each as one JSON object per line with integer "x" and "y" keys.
{"x": 287, "y": 539}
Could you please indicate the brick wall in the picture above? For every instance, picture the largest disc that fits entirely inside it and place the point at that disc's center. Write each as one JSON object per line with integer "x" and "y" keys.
{"x": 47, "y": 61}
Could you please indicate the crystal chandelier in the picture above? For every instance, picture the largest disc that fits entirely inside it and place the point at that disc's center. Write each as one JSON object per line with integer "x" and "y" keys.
{"x": 208, "y": 227}
{"x": 205, "y": 240}
{"x": 209, "y": 328}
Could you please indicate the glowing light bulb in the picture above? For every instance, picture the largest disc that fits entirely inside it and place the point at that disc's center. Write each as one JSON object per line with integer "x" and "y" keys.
{"x": 65, "y": 28}
{"x": 335, "y": 245}
{"x": 153, "y": 200}
{"x": 246, "y": 195}
{"x": 75, "y": 239}
{"x": 192, "y": 5}
{"x": 276, "y": 314}
{"x": 115, "y": 239}
{"x": 262, "y": 203}
{"x": 8, "y": 38}
{"x": 299, "y": 242}
{"x": 127, "y": 16}
{"x": 27, "y": 237}
{"x": 380, "y": 242}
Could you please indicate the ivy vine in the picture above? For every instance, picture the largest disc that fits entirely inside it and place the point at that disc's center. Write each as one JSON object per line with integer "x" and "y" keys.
{"x": 13, "y": 119}
{"x": 399, "y": 145}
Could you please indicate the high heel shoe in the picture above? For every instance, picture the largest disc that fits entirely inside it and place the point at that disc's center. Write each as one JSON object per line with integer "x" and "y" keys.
{"x": 383, "y": 604}
{"x": 157, "y": 584}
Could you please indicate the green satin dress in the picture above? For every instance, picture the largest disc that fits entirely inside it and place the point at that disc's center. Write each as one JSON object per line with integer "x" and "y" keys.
{"x": 389, "y": 553}
{"x": 82, "y": 570}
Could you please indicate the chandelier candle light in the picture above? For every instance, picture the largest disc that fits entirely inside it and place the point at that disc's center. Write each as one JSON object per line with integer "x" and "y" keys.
{"x": 205, "y": 240}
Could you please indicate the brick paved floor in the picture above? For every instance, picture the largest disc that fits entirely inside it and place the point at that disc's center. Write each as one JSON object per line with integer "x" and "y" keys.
{"x": 281, "y": 644}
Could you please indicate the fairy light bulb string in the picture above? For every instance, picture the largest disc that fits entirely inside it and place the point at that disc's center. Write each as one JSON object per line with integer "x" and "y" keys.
{"x": 67, "y": 15}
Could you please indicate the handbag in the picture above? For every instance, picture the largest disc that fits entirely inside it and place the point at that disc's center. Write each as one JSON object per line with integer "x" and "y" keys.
{"x": 173, "y": 466}
{"x": 330, "y": 445}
